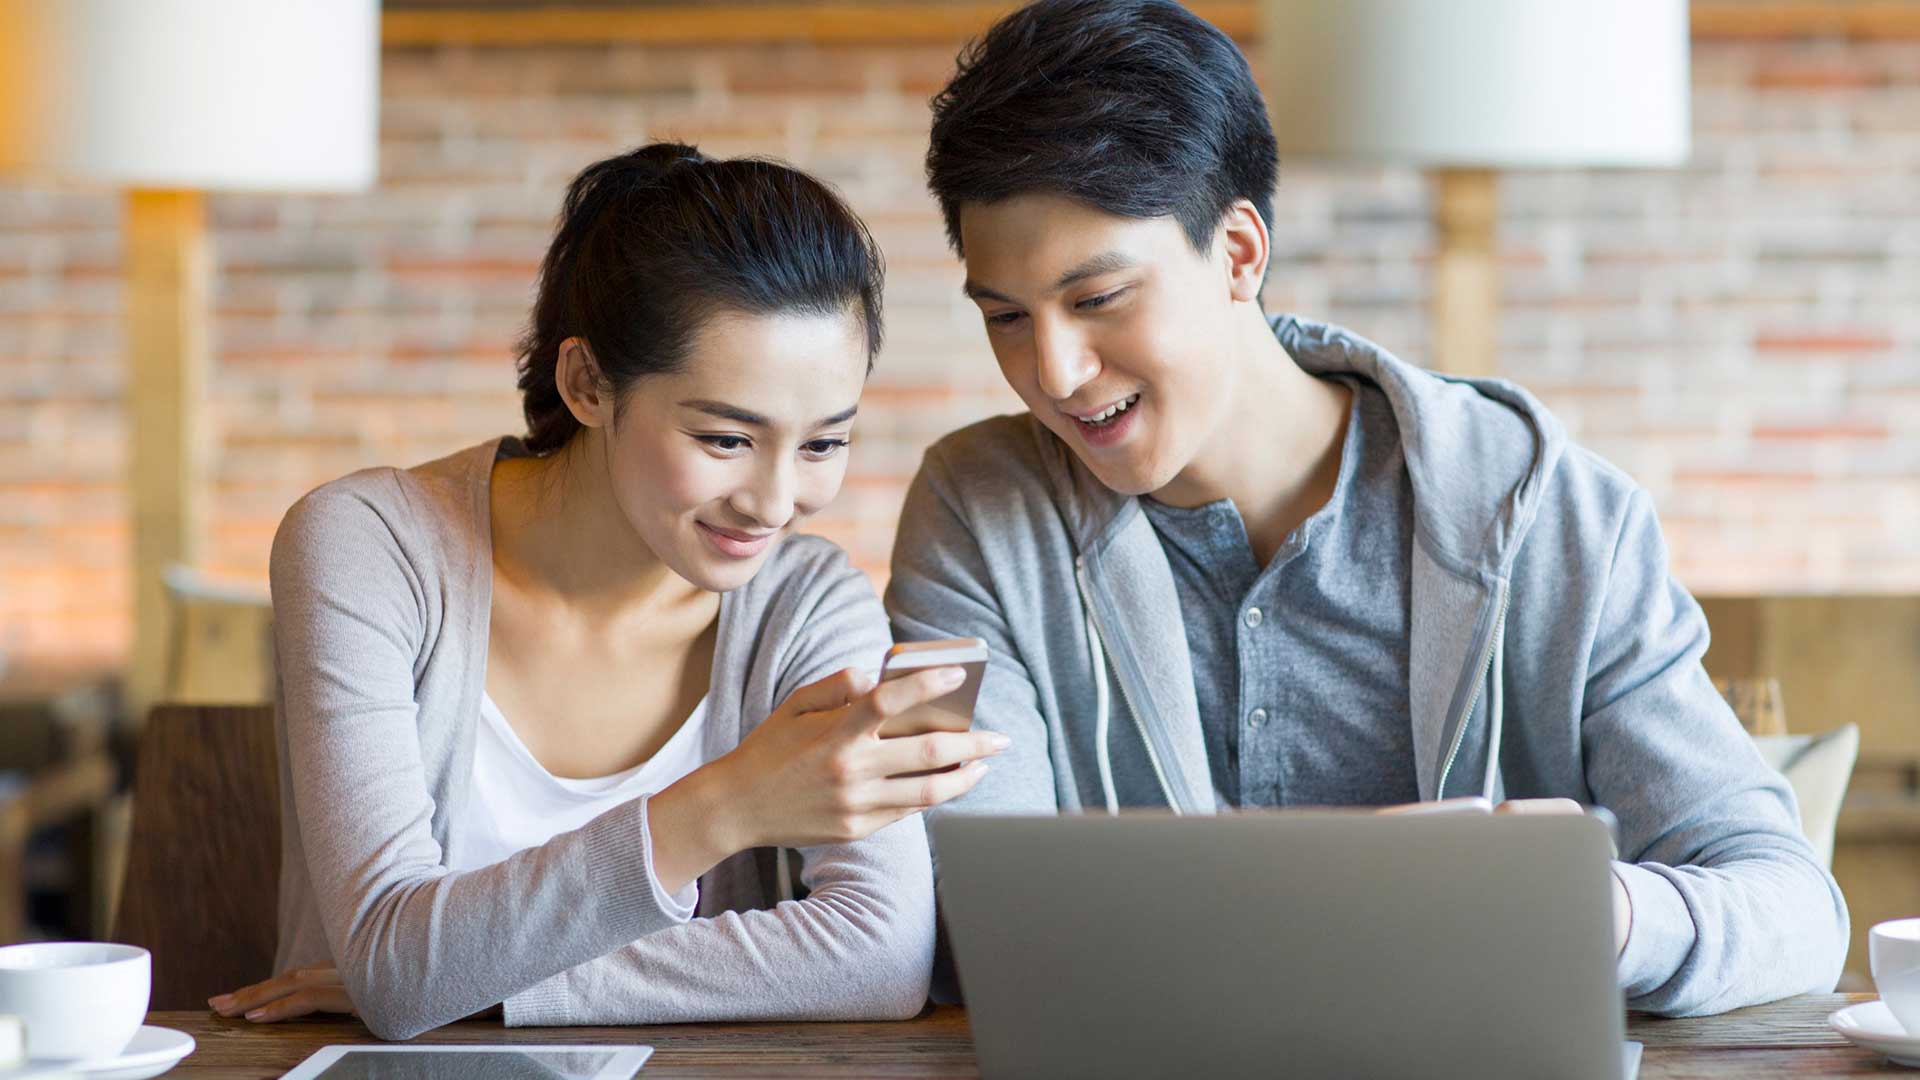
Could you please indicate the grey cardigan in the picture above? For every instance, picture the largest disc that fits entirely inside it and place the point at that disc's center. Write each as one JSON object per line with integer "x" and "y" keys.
{"x": 382, "y": 593}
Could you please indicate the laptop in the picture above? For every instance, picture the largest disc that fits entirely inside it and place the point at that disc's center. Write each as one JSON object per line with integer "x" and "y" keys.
{"x": 1290, "y": 943}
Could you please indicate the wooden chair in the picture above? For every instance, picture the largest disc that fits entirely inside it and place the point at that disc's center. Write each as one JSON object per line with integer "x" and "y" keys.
{"x": 203, "y": 871}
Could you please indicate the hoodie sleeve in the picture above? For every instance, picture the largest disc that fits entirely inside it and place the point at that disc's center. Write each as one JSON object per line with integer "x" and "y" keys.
{"x": 858, "y": 947}
{"x": 1730, "y": 905}
{"x": 941, "y": 588}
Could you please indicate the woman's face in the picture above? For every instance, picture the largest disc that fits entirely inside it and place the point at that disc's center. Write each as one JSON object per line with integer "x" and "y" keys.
{"x": 715, "y": 465}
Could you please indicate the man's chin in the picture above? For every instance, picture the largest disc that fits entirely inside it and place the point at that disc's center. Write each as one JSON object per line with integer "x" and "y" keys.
{"x": 1126, "y": 478}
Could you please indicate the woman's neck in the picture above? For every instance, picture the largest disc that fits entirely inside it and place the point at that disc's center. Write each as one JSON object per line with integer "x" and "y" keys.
{"x": 557, "y": 529}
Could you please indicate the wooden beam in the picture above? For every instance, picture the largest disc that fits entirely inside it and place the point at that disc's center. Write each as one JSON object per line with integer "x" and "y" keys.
{"x": 878, "y": 22}
{"x": 166, "y": 349}
{"x": 1868, "y": 19}
{"x": 1466, "y": 273}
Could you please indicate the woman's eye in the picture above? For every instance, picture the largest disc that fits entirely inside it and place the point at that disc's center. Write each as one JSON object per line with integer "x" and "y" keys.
{"x": 824, "y": 448}
{"x": 728, "y": 443}
{"x": 1003, "y": 318}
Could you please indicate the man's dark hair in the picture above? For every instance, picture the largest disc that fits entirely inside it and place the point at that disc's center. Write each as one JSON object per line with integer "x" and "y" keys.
{"x": 1139, "y": 108}
{"x": 655, "y": 242}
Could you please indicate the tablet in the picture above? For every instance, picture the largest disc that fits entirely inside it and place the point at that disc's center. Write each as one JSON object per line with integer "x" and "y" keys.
{"x": 529, "y": 1062}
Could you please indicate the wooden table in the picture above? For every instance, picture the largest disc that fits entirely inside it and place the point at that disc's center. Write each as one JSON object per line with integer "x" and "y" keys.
{"x": 1787, "y": 1038}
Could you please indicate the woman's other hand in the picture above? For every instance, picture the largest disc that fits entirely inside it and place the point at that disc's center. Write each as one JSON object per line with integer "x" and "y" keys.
{"x": 299, "y": 992}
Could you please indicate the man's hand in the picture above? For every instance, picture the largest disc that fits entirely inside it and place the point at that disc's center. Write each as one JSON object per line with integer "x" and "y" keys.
{"x": 1622, "y": 904}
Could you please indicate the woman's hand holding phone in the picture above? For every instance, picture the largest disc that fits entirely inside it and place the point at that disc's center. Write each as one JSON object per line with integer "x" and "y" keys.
{"x": 818, "y": 771}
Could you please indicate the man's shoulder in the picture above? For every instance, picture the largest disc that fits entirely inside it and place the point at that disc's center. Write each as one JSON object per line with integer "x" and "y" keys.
{"x": 990, "y": 453}
{"x": 1591, "y": 489}
{"x": 1005, "y": 468}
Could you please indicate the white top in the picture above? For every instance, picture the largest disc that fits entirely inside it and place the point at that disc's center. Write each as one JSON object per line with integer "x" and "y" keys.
{"x": 517, "y": 804}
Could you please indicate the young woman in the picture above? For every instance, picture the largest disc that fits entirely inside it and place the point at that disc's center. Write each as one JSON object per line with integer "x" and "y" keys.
{"x": 549, "y": 707}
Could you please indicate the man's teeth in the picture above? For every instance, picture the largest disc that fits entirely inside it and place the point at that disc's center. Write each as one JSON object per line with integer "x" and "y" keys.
{"x": 1112, "y": 411}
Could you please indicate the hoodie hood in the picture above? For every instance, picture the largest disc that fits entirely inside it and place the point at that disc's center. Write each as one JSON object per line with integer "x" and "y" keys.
{"x": 1479, "y": 452}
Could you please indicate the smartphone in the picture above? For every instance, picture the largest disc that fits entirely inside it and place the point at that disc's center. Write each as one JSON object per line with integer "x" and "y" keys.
{"x": 948, "y": 712}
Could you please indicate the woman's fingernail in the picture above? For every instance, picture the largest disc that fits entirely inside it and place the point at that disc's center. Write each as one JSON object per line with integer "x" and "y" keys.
{"x": 257, "y": 1015}
{"x": 951, "y": 677}
{"x": 220, "y": 1002}
{"x": 998, "y": 741}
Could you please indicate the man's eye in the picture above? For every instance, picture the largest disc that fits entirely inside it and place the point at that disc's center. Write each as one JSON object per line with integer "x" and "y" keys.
{"x": 725, "y": 442}
{"x": 1003, "y": 318}
{"x": 1101, "y": 300}
{"x": 824, "y": 448}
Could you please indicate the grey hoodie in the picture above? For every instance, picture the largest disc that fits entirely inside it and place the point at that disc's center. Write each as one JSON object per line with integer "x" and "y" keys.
{"x": 1551, "y": 654}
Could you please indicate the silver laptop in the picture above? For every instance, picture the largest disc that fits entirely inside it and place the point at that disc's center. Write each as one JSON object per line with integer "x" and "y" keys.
{"x": 1303, "y": 943}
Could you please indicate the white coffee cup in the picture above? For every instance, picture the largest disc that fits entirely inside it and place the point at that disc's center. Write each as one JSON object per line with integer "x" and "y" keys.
{"x": 1893, "y": 950}
{"x": 80, "y": 999}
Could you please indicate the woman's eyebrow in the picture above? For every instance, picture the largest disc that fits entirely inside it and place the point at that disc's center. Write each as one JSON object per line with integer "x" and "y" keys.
{"x": 753, "y": 419}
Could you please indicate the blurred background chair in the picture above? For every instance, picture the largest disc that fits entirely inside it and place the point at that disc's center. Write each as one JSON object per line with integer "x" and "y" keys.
{"x": 202, "y": 881}
{"x": 1817, "y": 767}
{"x": 220, "y": 642}
{"x": 57, "y": 781}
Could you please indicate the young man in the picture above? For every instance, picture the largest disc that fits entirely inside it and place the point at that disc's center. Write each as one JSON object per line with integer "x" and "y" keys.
{"x": 1228, "y": 560}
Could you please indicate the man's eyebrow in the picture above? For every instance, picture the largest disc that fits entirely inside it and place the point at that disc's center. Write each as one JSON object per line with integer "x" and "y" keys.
{"x": 981, "y": 292}
{"x": 1104, "y": 263}
{"x": 753, "y": 419}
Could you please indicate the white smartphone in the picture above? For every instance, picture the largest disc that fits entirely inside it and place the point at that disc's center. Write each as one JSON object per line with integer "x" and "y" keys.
{"x": 948, "y": 712}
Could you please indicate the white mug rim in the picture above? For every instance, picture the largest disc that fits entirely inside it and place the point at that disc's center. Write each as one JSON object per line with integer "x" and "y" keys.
{"x": 84, "y": 954}
{"x": 1904, "y": 931}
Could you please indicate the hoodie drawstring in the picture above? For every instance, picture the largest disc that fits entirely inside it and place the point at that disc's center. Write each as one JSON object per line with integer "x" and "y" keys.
{"x": 1101, "y": 715}
{"x": 1496, "y": 707}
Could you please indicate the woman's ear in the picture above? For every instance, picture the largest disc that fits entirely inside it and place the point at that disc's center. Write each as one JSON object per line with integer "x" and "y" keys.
{"x": 1244, "y": 238}
{"x": 589, "y": 397}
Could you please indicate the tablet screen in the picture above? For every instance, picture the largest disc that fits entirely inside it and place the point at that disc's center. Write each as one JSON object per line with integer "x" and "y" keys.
{"x": 468, "y": 1065}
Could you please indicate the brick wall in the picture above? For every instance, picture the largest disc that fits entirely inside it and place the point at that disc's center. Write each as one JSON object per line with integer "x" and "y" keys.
{"x": 1742, "y": 335}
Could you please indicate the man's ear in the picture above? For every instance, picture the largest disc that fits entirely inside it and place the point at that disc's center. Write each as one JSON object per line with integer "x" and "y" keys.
{"x": 1243, "y": 237}
{"x": 589, "y": 397}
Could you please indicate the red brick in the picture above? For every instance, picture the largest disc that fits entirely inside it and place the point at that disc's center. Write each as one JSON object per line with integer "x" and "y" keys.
{"x": 1821, "y": 432}
{"x": 1854, "y": 342}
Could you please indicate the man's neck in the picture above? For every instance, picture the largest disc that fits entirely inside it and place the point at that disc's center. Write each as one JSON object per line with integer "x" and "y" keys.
{"x": 1275, "y": 449}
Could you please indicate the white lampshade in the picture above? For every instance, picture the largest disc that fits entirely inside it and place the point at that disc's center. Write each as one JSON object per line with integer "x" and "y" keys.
{"x": 1479, "y": 83}
{"x": 278, "y": 95}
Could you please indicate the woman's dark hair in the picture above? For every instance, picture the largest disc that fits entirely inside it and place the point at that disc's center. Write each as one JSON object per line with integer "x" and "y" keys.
{"x": 1139, "y": 108}
{"x": 653, "y": 243}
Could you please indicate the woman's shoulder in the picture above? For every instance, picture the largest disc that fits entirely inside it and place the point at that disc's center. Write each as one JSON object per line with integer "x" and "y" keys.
{"x": 438, "y": 507}
{"x": 809, "y": 587}
{"x": 803, "y": 570}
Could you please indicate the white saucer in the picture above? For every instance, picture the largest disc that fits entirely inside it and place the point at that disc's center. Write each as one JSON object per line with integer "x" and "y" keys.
{"x": 153, "y": 1051}
{"x": 1871, "y": 1025}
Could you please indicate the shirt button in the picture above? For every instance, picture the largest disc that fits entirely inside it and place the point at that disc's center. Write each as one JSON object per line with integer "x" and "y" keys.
{"x": 1253, "y": 617}
{"x": 1257, "y": 718}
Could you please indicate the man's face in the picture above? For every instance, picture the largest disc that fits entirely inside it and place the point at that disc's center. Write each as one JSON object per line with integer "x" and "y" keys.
{"x": 1113, "y": 330}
